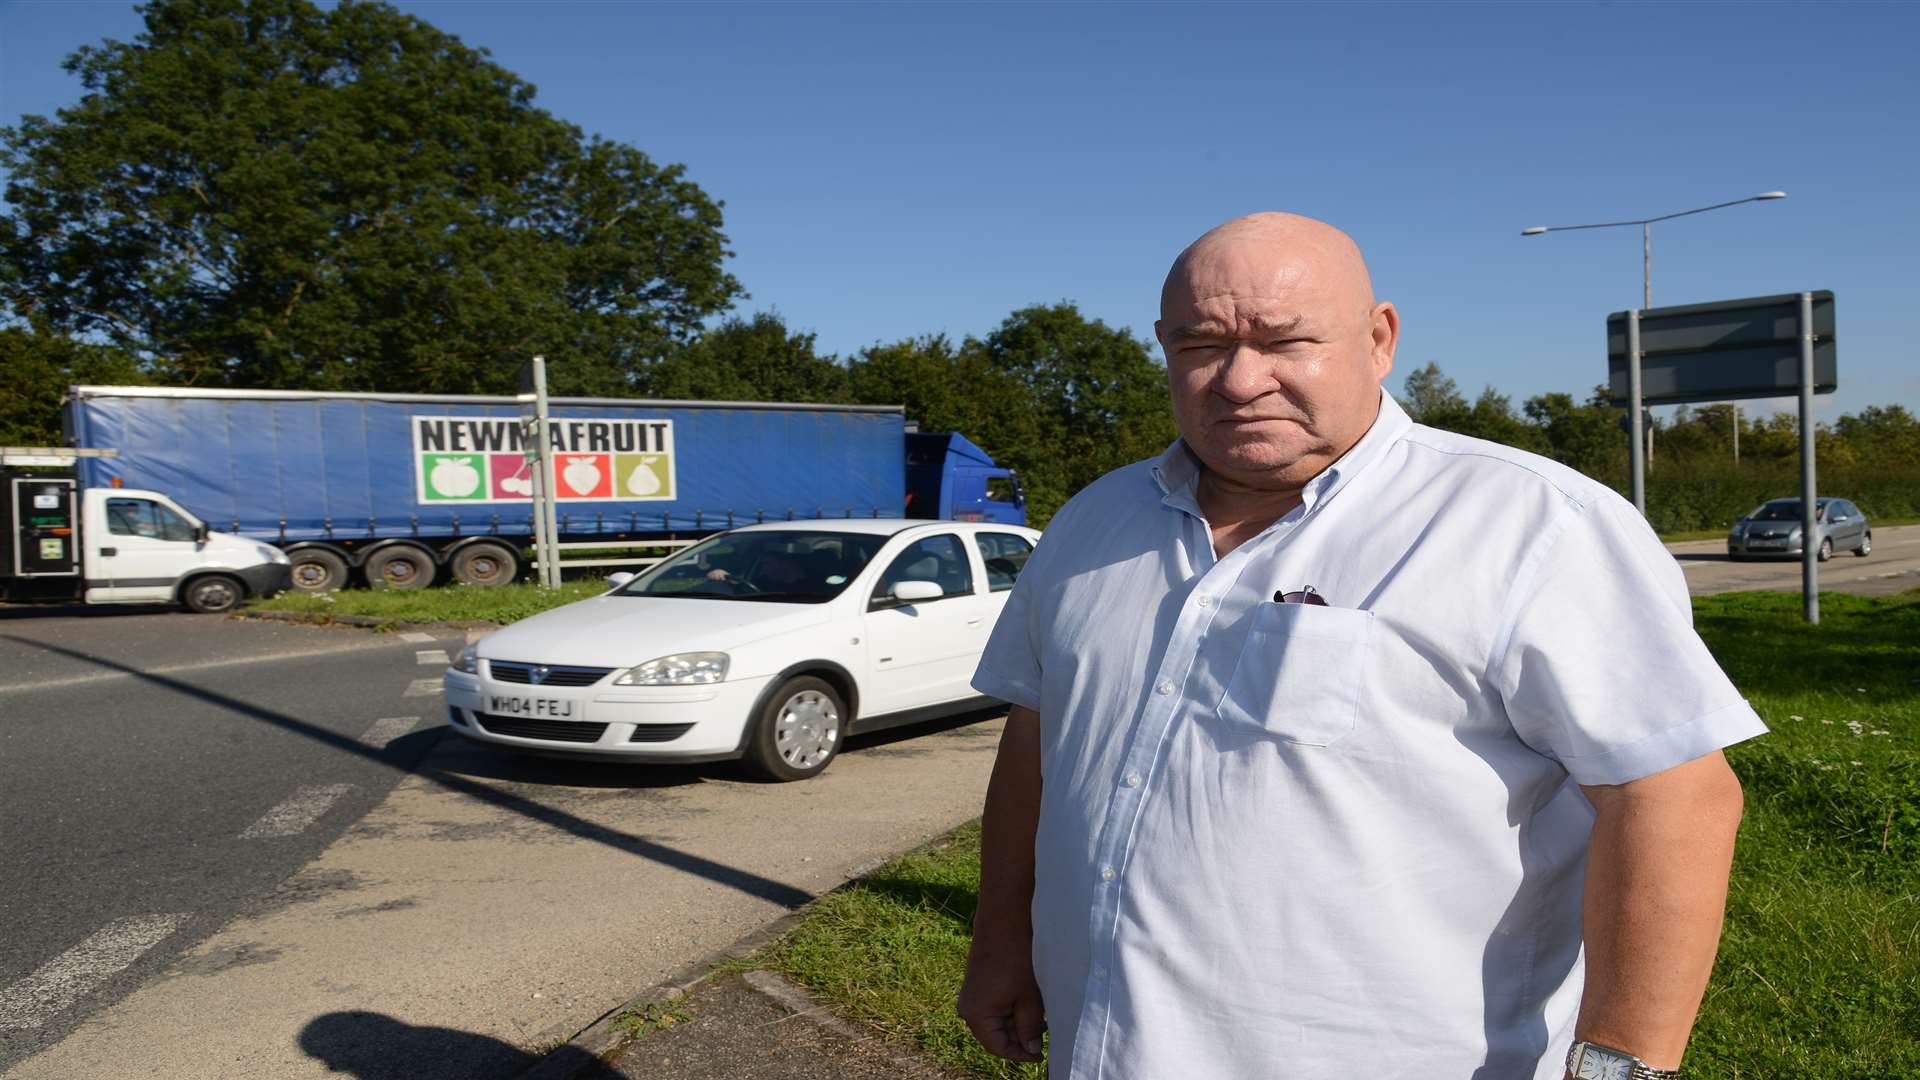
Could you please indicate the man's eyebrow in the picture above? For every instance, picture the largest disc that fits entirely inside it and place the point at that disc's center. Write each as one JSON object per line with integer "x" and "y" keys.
{"x": 1265, "y": 327}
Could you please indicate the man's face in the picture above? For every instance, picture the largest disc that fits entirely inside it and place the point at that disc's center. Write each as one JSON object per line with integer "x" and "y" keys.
{"x": 1275, "y": 352}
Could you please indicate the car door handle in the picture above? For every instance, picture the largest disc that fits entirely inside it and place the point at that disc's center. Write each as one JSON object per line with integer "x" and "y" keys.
{"x": 109, "y": 552}
{"x": 975, "y": 621}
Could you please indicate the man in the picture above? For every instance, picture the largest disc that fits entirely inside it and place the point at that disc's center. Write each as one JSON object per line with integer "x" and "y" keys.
{"x": 1332, "y": 734}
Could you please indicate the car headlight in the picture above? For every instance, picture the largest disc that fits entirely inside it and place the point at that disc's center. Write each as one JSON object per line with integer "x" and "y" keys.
{"x": 680, "y": 669}
{"x": 1739, "y": 531}
{"x": 468, "y": 660}
{"x": 272, "y": 554}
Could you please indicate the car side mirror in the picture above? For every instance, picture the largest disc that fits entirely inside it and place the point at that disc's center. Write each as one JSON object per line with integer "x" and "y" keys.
{"x": 619, "y": 581}
{"x": 201, "y": 532}
{"x": 908, "y": 592}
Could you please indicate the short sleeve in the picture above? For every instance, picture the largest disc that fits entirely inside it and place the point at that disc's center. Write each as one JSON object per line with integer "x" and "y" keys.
{"x": 1010, "y": 666}
{"x": 1599, "y": 665}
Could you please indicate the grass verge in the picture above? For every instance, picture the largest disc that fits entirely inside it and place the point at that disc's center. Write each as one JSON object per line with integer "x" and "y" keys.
{"x": 1818, "y": 975}
{"x": 448, "y": 603}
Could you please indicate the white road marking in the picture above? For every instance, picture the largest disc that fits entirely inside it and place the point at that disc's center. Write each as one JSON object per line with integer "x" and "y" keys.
{"x": 415, "y": 635}
{"x": 70, "y": 976}
{"x": 422, "y": 688}
{"x": 177, "y": 669}
{"x": 387, "y": 729}
{"x": 294, "y": 815}
{"x": 431, "y": 656}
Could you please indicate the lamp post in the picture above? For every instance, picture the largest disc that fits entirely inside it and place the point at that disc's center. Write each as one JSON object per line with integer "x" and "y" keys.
{"x": 1646, "y": 276}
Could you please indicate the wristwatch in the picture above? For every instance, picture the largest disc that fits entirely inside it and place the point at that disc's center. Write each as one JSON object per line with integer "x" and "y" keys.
{"x": 1591, "y": 1061}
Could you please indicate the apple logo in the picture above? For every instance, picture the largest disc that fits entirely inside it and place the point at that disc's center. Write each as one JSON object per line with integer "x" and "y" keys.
{"x": 455, "y": 478}
{"x": 582, "y": 475}
{"x": 643, "y": 480}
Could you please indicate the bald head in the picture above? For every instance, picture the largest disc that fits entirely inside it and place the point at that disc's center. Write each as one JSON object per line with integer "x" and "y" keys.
{"x": 1270, "y": 250}
{"x": 1275, "y": 348}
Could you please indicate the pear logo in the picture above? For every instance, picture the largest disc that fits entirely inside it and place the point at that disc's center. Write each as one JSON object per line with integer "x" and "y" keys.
{"x": 643, "y": 480}
{"x": 454, "y": 477}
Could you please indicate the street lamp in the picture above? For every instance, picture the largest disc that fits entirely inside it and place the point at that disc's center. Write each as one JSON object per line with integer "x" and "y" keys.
{"x": 1646, "y": 263}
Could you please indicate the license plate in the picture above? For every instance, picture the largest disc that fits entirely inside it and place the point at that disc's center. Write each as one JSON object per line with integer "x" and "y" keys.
{"x": 532, "y": 708}
{"x": 1772, "y": 544}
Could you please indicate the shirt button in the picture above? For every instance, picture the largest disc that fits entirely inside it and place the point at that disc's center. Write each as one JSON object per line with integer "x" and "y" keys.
{"x": 1133, "y": 779}
{"x": 1205, "y": 600}
{"x": 1106, "y": 873}
{"x": 1164, "y": 688}
{"x": 1099, "y": 971}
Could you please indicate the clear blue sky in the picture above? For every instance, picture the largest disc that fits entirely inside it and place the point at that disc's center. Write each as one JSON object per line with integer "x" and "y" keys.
{"x": 892, "y": 170}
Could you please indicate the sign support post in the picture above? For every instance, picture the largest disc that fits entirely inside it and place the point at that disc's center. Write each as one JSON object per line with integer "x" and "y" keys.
{"x": 1637, "y": 449}
{"x": 1809, "y": 551}
{"x": 545, "y": 552}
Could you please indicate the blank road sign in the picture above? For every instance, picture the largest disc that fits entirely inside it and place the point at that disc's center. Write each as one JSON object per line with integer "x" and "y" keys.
{"x": 1723, "y": 351}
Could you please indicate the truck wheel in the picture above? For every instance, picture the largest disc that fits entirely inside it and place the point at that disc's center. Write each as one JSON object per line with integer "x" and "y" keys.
{"x": 798, "y": 730}
{"x": 485, "y": 565}
{"x": 317, "y": 570}
{"x": 214, "y": 594}
{"x": 399, "y": 567}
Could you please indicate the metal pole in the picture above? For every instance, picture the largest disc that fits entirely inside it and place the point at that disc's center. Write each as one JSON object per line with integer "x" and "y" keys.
{"x": 1646, "y": 264}
{"x": 1637, "y": 444}
{"x": 1736, "y": 433}
{"x": 550, "y": 554}
{"x": 1809, "y": 550}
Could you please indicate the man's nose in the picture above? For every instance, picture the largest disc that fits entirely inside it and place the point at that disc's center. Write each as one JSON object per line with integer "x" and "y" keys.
{"x": 1244, "y": 375}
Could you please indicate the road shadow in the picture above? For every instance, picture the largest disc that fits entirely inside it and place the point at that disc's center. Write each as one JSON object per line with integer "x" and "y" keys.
{"x": 373, "y": 1046}
{"x": 889, "y": 736}
{"x": 719, "y": 873}
{"x": 1705, "y": 556}
{"x": 90, "y": 611}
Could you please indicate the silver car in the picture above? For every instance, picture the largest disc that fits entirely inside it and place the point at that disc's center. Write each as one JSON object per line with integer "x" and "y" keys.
{"x": 1772, "y": 531}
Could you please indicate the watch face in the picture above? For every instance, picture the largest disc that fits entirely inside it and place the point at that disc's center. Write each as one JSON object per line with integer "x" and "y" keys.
{"x": 1597, "y": 1064}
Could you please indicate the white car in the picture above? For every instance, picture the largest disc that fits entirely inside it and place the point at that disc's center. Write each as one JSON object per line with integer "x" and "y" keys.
{"x": 770, "y": 643}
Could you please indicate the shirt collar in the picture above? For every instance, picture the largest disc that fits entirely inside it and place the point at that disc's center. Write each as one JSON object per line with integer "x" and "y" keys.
{"x": 1178, "y": 470}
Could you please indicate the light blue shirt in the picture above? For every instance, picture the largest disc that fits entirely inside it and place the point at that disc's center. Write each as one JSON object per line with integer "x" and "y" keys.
{"x": 1298, "y": 841}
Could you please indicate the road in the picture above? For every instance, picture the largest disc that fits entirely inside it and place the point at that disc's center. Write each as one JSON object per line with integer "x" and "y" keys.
{"x": 1893, "y": 567}
{"x": 241, "y": 849}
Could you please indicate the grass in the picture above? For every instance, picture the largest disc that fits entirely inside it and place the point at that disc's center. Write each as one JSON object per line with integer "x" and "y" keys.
{"x": 1818, "y": 975}
{"x": 448, "y": 603}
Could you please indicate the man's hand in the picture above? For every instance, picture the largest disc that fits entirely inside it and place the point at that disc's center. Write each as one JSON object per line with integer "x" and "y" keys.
{"x": 1000, "y": 999}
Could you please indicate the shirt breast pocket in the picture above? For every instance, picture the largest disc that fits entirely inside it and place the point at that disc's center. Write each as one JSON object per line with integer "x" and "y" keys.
{"x": 1300, "y": 673}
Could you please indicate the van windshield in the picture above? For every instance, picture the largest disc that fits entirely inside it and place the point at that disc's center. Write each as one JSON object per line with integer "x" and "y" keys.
{"x": 797, "y": 567}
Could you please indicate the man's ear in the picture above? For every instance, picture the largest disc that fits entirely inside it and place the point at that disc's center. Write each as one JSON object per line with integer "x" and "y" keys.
{"x": 1386, "y": 337}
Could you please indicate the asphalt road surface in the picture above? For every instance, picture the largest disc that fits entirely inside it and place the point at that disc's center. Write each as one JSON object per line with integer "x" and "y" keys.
{"x": 1892, "y": 567}
{"x": 244, "y": 849}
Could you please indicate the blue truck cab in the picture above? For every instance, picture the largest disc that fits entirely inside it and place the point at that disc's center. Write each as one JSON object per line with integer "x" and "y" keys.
{"x": 951, "y": 479}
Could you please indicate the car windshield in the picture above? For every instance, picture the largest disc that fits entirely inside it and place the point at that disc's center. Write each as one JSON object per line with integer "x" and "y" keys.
{"x": 1784, "y": 510}
{"x": 789, "y": 567}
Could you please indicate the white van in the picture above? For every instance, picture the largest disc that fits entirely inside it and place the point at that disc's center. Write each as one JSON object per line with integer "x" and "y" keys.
{"x": 62, "y": 544}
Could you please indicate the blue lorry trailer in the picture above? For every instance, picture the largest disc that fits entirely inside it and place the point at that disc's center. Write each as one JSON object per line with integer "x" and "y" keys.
{"x": 404, "y": 489}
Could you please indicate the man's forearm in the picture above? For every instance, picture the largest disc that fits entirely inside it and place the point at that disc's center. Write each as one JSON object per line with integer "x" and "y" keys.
{"x": 1656, "y": 891}
{"x": 1007, "y": 829}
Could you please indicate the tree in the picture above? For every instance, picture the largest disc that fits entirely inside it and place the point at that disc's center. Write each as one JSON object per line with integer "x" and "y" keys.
{"x": 755, "y": 359}
{"x": 1886, "y": 433}
{"x": 1584, "y": 436}
{"x": 265, "y": 193}
{"x": 40, "y": 366}
{"x": 1432, "y": 398}
{"x": 1096, "y": 395}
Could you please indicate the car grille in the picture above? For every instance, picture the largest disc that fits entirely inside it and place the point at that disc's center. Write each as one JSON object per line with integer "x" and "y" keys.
{"x": 513, "y": 671}
{"x": 658, "y": 732}
{"x": 549, "y": 730}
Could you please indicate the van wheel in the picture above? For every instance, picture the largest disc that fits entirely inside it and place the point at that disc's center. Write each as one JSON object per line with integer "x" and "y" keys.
{"x": 484, "y": 565}
{"x": 399, "y": 568}
{"x": 317, "y": 570}
{"x": 214, "y": 594}
{"x": 1866, "y": 545}
{"x": 798, "y": 730}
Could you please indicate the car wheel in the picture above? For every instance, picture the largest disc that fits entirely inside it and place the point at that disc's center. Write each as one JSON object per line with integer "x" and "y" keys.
{"x": 798, "y": 730}
{"x": 317, "y": 570}
{"x": 1866, "y": 545}
{"x": 399, "y": 568}
{"x": 214, "y": 594}
{"x": 1826, "y": 548}
{"x": 484, "y": 565}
